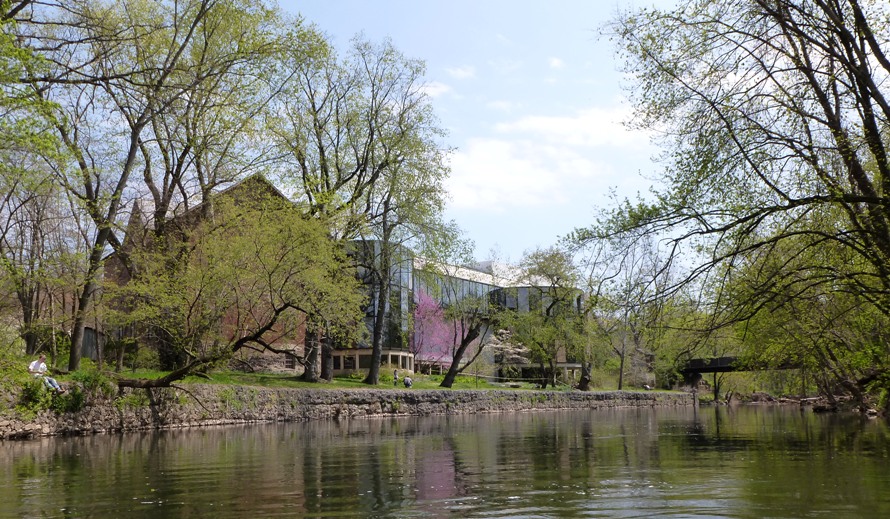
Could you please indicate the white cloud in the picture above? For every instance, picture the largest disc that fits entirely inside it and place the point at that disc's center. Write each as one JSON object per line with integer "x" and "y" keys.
{"x": 544, "y": 163}
{"x": 466, "y": 72}
{"x": 498, "y": 175}
{"x": 556, "y": 63}
{"x": 436, "y": 89}
{"x": 505, "y": 66}
{"x": 502, "y": 106}
{"x": 592, "y": 127}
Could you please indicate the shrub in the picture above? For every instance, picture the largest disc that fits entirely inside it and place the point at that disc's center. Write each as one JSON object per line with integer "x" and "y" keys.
{"x": 95, "y": 384}
{"x": 71, "y": 402}
{"x": 133, "y": 399}
{"x": 146, "y": 358}
{"x": 36, "y": 397}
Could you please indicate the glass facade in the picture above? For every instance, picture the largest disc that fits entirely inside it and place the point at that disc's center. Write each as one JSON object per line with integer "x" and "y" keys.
{"x": 530, "y": 299}
{"x": 370, "y": 256}
{"x": 436, "y": 333}
{"x": 416, "y": 318}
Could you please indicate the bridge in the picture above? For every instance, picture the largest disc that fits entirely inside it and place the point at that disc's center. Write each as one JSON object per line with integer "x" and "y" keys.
{"x": 694, "y": 368}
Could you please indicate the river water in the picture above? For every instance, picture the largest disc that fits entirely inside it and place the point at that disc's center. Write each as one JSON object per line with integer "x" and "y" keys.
{"x": 745, "y": 462}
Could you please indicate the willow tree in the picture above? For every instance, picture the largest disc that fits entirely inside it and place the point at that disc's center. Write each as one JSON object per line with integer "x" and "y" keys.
{"x": 359, "y": 143}
{"x": 773, "y": 115}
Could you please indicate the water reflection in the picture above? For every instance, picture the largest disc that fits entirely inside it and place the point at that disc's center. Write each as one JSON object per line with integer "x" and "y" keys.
{"x": 710, "y": 462}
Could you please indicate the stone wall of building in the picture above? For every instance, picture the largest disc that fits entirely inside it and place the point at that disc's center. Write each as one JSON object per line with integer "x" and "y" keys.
{"x": 203, "y": 405}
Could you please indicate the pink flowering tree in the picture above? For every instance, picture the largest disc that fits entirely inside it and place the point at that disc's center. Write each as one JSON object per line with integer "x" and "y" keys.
{"x": 433, "y": 333}
{"x": 446, "y": 334}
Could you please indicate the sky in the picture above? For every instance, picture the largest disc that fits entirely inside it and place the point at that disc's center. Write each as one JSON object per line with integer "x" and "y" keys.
{"x": 533, "y": 100}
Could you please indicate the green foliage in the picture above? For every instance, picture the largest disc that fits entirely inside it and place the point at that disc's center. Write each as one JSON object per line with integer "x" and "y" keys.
{"x": 553, "y": 324}
{"x": 231, "y": 398}
{"x": 257, "y": 267}
{"x": 604, "y": 378}
{"x": 13, "y": 365}
{"x": 133, "y": 399}
{"x": 145, "y": 358}
{"x": 72, "y": 401}
{"x": 789, "y": 241}
{"x": 36, "y": 397}
{"x": 94, "y": 383}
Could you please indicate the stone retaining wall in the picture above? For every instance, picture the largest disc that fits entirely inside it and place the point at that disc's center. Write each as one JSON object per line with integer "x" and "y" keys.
{"x": 202, "y": 405}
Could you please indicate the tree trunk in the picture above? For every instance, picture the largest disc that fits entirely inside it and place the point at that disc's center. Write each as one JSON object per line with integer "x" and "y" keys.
{"x": 377, "y": 336}
{"x": 455, "y": 369}
{"x": 327, "y": 359}
{"x": 86, "y": 297}
{"x": 382, "y": 276}
{"x": 586, "y": 375}
{"x": 621, "y": 370}
{"x": 76, "y": 341}
{"x": 310, "y": 360}
{"x": 100, "y": 348}
{"x": 119, "y": 365}
{"x": 29, "y": 334}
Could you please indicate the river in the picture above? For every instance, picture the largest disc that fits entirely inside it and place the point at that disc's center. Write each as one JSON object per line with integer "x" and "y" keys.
{"x": 739, "y": 462}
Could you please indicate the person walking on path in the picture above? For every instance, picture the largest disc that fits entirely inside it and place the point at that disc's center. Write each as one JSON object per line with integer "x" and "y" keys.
{"x": 38, "y": 369}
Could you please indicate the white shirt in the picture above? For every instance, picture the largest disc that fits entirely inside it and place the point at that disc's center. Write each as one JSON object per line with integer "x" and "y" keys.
{"x": 37, "y": 368}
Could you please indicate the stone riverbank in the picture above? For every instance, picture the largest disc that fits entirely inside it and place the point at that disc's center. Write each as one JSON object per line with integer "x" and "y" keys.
{"x": 204, "y": 405}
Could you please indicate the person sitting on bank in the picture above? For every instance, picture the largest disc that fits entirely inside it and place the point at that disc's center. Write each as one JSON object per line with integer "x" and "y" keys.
{"x": 408, "y": 381}
{"x": 38, "y": 369}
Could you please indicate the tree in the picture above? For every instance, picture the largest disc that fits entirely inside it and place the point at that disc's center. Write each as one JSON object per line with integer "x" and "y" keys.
{"x": 213, "y": 136}
{"x": 112, "y": 68}
{"x": 552, "y": 327}
{"x": 405, "y": 207}
{"x": 34, "y": 217}
{"x": 452, "y": 316}
{"x": 358, "y": 138}
{"x": 634, "y": 293}
{"x": 30, "y": 257}
{"x": 246, "y": 277}
{"x": 833, "y": 335}
{"x": 774, "y": 114}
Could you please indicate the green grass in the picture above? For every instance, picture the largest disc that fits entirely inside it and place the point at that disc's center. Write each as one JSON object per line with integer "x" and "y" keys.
{"x": 344, "y": 382}
{"x": 237, "y": 378}
{"x": 18, "y": 376}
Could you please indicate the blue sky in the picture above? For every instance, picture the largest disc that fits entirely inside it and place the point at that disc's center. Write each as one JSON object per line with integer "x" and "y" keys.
{"x": 531, "y": 96}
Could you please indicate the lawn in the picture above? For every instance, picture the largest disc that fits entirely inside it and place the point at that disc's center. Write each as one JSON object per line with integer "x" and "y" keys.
{"x": 344, "y": 382}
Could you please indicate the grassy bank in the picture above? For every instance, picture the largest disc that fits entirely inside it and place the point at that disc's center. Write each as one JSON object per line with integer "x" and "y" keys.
{"x": 25, "y": 395}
